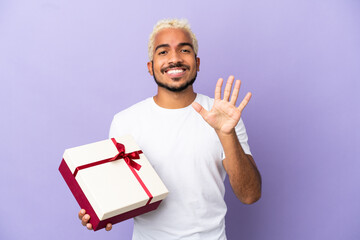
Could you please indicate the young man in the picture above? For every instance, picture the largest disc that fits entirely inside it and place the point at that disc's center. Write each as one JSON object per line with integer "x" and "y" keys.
{"x": 191, "y": 140}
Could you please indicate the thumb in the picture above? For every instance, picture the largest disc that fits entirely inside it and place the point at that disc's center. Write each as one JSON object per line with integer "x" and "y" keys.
{"x": 202, "y": 111}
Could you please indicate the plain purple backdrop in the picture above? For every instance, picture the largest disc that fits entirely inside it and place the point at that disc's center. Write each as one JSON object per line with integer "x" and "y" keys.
{"x": 66, "y": 67}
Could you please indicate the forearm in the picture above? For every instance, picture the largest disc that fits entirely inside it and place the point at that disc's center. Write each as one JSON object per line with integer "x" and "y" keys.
{"x": 243, "y": 174}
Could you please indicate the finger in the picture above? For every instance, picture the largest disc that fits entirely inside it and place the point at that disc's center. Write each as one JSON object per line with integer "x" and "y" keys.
{"x": 202, "y": 111}
{"x": 228, "y": 86}
{"x": 245, "y": 101}
{"x": 85, "y": 219}
{"x": 108, "y": 227}
{"x": 235, "y": 92}
{"x": 218, "y": 89}
{"x": 89, "y": 226}
{"x": 81, "y": 213}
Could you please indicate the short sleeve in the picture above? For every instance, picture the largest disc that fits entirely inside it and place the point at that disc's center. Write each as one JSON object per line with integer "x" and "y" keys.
{"x": 112, "y": 129}
{"x": 242, "y": 136}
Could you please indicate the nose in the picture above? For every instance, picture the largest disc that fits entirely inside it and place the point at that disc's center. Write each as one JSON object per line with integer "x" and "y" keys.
{"x": 174, "y": 57}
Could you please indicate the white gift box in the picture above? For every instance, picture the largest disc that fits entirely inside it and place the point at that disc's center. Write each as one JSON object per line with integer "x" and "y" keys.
{"x": 111, "y": 190}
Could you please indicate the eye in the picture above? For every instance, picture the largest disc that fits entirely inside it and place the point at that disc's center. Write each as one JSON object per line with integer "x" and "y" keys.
{"x": 185, "y": 51}
{"x": 162, "y": 52}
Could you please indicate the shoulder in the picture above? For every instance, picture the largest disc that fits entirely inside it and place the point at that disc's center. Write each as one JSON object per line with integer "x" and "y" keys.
{"x": 129, "y": 119}
{"x": 205, "y": 101}
{"x": 135, "y": 109}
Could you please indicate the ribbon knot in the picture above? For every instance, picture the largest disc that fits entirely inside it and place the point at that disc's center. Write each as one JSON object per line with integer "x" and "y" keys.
{"x": 128, "y": 157}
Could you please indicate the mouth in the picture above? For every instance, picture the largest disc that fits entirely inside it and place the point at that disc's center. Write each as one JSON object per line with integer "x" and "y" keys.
{"x": 175, "y": 72}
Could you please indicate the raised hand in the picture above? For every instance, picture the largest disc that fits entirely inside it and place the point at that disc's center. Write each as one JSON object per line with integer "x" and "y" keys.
{"x": 224, "y": 115}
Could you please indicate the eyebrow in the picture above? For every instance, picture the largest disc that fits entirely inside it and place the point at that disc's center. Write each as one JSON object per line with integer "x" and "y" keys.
{"x": 186, "y": 44}
{"x": 180, "y": 44}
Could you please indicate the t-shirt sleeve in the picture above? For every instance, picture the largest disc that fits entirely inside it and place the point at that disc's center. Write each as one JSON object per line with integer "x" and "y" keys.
{"x": 121, "y": 125}
{"x": 242, "y": 136}
{"x": 112, "y": 132}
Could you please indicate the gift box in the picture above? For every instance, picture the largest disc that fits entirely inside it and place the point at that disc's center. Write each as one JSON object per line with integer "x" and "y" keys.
{"x": 112, "y": 180}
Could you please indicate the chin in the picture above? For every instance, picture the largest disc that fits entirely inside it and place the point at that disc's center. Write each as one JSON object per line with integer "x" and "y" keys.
{"x": 178, "y": 88}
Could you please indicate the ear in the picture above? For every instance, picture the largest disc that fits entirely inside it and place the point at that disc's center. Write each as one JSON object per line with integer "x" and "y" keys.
{"x": 197, "y": 64}
{"x": 150, "y": 68}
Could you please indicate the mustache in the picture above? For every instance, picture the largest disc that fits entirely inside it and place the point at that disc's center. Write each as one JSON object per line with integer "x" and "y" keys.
{"x": 176, "y": 65}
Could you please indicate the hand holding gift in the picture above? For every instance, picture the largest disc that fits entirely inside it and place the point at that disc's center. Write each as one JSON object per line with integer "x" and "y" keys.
{"x": 85, "y": 221}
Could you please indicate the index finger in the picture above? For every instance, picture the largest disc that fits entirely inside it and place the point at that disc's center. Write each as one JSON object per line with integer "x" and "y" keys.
{"x": 218, "y": 89}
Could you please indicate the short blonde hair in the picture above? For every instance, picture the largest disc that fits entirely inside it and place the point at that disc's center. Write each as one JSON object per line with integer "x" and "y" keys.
{"x": 171, "y": 23}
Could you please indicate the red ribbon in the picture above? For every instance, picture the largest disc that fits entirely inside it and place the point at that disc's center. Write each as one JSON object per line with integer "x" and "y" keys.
{"x": 128, "y": 158}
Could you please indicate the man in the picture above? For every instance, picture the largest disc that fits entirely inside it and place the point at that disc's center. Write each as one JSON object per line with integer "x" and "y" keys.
{"x": 191, "y": 140}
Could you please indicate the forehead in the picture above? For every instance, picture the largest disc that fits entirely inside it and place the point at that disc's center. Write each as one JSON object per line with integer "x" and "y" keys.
{"x": 172, "y": 37}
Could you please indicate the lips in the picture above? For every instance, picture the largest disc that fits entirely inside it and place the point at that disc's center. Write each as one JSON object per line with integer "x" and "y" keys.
{"x": 175, "y": 71}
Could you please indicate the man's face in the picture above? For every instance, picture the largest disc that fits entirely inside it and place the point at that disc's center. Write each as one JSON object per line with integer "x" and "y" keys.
{"x": 174, "y": 64}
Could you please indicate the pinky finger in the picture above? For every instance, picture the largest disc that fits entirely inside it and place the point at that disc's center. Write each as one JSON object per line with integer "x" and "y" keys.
{"x": 89, "y": 226}
{"x": 245, "y": 101}
{"x": 108, "y": 227}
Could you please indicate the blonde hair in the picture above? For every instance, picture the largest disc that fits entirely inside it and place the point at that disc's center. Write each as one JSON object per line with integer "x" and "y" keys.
{"x": 171, "y": 23}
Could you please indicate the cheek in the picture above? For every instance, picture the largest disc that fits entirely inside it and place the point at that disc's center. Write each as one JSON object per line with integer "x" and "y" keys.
{"x": 191, "y": 61}
{"x": 157, "y": 66}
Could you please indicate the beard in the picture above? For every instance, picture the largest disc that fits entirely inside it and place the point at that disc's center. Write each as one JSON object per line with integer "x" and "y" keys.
{"x": 174, "y": 89}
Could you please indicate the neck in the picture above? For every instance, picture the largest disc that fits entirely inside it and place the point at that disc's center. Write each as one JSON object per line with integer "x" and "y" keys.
{"x": 173, "y": 100}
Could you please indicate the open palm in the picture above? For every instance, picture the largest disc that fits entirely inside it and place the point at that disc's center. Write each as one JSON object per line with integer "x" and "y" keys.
{"x": 224, "y": 115}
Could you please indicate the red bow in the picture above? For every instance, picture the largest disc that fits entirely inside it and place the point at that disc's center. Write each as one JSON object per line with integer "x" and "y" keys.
{"x": 128, "y": 157}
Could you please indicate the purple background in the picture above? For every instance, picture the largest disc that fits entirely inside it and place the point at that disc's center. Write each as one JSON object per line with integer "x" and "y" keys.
{"x": 66, "y": 67}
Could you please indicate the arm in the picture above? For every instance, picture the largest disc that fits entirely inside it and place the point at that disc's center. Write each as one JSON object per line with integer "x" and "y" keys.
{"x": 244, "y": 177}
{"x": 243, "y": 174}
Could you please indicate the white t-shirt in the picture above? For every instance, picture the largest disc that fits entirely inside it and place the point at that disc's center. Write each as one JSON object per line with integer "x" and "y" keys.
{"x": 187, "y": 155}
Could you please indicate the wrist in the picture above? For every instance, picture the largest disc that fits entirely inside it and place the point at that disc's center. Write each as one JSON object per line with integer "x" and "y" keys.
{"x": 222, "y": 134}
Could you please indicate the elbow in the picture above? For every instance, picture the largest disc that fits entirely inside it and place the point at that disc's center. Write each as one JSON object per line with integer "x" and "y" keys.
{"x": 249, "y": 192}
{"x": 250, "y": 199}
